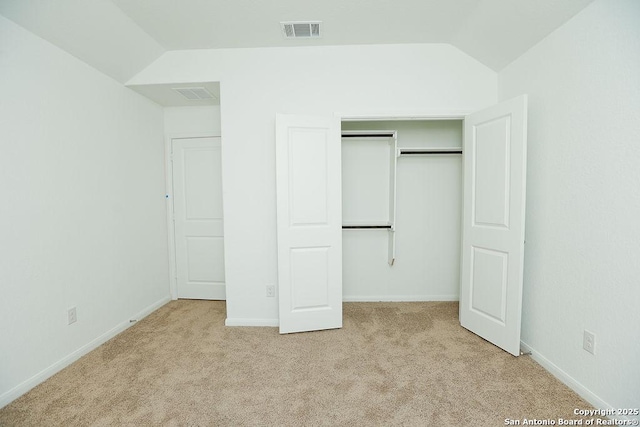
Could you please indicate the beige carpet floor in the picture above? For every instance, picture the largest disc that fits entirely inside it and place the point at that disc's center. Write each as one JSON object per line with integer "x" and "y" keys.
{"x": 392, "y": 364}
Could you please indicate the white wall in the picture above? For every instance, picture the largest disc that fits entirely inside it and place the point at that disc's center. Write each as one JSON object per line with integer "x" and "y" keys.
{"x": 582, "y": 256}
{"x": 258, "y": 83}
{"x": 204, "y": 120}
{"x": 428, "y": 215}
{"x": 82, "y": 214}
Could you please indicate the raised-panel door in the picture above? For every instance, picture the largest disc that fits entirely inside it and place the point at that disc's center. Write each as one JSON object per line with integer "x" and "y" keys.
{"x": 493, "y": 223}
{"x": 309, "y": 213}
{"x": 198, "y": 224}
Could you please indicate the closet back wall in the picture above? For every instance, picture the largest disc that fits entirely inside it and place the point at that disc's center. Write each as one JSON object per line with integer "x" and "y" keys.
{"x": 428, "y": 209}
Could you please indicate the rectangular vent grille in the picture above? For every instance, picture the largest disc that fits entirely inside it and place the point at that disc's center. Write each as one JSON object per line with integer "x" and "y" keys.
{"x": 194, "y": 93}
{"x": 301, "y": 30}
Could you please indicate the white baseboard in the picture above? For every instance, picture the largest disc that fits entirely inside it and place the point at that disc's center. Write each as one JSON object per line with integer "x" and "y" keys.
{"x": 41, "y": 376}
{"x": 569, "y": 381}
{"x": 251, "y": 322}
{"x": 398, "y": 298}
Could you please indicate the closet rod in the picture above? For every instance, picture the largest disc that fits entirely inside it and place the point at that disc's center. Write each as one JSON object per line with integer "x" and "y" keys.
{"x": 367, "y": 135}
{"x": 354, "y": 227}
{"x": 410, "y": 152}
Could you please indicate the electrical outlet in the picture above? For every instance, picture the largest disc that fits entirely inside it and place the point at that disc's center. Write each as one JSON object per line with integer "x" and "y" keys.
{"x": 271, "y": 291}
{"x": 589, "y": 342}
{"x": 72, "y": 315}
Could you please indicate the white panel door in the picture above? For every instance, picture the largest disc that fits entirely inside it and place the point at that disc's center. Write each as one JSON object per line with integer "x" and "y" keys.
{"x": 197, "y": 213}
{"x": 308, "y": 175}
{"x": 493, "y": 223}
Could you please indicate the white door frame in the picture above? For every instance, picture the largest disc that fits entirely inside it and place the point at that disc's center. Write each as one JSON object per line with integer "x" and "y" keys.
{"x": 435, "y": 115}
{"x": 168, "y": 167}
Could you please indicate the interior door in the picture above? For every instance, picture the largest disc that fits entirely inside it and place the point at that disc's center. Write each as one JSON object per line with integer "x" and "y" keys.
{"x": 197, "y": 213}
{"x": 309, "y": 219}
{"x": 493, "y": 223}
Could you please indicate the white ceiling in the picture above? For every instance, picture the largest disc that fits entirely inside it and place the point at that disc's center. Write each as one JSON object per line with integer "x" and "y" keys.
{"x": 95, "y": 31}
{"x": 493, "y": 31}
{"x": 121, "y": 37}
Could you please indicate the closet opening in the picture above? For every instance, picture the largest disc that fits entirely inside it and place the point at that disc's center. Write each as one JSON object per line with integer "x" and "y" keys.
{"x": 411, "y": 250}
{"x": 401, "y": 209}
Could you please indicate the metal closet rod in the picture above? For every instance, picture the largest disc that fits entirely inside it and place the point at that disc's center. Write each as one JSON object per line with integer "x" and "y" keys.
{"x": 354, "y": 227}
{"x": 427, "y": 151}
{"x": 367, "y": 135}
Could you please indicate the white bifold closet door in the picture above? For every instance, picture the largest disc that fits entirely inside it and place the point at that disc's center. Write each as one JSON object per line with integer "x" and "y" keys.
{"x": 308, "y": 169}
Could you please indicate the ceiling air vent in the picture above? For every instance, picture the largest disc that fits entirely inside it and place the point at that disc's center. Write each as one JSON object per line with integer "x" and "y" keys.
{"x": 194, "y": 93}
{"x": 301, "y": 30}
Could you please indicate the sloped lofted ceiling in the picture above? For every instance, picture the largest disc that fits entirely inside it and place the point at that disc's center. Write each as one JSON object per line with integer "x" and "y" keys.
{"x": 95, "y": 31}
{"x": 122, "y": 37}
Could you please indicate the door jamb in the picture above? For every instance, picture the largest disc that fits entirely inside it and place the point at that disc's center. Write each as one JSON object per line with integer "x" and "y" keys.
{"x": 171, "y": 237}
